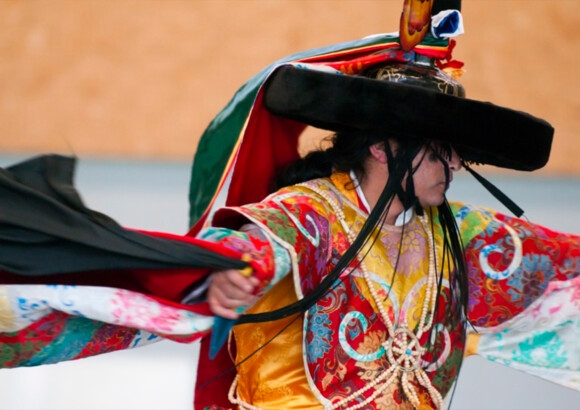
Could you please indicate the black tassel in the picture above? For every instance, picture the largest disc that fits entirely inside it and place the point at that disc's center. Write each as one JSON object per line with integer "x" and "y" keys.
{"x": 500, "y": 196}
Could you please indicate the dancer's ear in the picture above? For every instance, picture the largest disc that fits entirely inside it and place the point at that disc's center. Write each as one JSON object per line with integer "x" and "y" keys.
{"x": 378, "y": 152}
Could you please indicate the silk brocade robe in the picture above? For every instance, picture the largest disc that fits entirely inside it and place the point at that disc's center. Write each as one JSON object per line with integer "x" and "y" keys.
{"x": 518, "y": 272}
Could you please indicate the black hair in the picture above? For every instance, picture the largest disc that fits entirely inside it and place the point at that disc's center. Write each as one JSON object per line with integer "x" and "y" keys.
{"x": 347, "y": 152}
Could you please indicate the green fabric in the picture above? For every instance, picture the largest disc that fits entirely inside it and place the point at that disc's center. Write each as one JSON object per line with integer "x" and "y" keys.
{"x": 219, "y": 139}
{"x": 470, "y": 224}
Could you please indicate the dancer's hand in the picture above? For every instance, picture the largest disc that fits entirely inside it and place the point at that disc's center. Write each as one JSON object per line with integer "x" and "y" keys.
{"x": 229, "y": 290}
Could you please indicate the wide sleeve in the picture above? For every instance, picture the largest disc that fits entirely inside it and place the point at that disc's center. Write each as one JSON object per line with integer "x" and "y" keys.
{"x": 49, "y": 323}
{"x": 524, "y": 294}
{"x": 297, "y": 222}
{"x": 270, "y": 260}
{"x": 43, "y": 324}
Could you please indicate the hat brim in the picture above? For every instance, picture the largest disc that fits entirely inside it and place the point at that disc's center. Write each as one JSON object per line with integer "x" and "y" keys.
{"x": 481, "y": 132}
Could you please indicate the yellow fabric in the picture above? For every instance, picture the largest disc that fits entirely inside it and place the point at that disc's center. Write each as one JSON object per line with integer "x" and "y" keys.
{"x": 414, "y": 259}
{"x": 345, "y": 185}
{"x": 472, "y": 344}
{"x": 274, "y": 378}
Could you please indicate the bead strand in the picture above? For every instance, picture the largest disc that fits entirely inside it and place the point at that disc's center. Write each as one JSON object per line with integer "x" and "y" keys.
{"x": 367, "y": 387}
{"x": 427, "y": 310}
{"x": 432, "y": 277}
{"x": 424, "y": 381}
{"x": 375, "y": 394}
{"x": 409, "y": 390}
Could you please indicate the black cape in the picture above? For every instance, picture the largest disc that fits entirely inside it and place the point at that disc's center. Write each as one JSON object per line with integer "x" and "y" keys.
{"x": 47, "y": 235}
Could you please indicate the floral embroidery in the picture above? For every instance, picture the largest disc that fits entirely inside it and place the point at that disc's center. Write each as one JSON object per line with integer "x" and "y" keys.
{"x": 319, "y": 335}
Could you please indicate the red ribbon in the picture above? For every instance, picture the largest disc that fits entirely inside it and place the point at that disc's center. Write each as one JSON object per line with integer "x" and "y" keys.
{"x": 448, "y": 61}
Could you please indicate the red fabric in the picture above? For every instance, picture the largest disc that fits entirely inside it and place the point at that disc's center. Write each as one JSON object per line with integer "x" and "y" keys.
{"x": 361, "y": 204}
{"x": 262, "y": 157}
{"x": 32, "y": 342}
{"x": 436, "y": 52}
{"x": 209, "y": 390}
{"x": 447, "y": 60}
{"x": 546, "y": 256}
{"x": 198, "y": 242}
{"x": 350, "y": 54}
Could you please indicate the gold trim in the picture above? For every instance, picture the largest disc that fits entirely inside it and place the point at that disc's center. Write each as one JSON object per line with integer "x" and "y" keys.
{"x": 247, "y": 271}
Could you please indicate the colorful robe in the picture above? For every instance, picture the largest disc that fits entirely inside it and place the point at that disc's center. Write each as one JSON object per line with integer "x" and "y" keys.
{"x": 524, "y": 301}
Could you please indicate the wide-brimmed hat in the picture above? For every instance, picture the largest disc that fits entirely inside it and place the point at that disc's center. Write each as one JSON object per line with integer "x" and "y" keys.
{"x": 410, "y": 106}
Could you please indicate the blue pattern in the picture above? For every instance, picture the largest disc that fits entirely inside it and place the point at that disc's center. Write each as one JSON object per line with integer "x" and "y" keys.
{"x": 320, "y": 334}
{"x": 77, "y": 333}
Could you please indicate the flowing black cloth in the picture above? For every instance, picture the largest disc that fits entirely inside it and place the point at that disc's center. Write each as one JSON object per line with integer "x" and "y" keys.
{"x": 45, "y": 229}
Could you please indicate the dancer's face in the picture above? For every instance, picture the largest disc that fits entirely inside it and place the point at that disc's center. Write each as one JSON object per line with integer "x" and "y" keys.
{"x": 430, "y": 178}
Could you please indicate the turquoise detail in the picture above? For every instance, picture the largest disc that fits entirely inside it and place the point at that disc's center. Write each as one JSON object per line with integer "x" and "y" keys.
{"x": 76, "y": 335}
{"x": 543, "y": 349}
{"x": 353, "y": 317}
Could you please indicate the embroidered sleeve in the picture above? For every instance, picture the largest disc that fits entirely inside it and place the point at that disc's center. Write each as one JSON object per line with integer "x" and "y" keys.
{"x": 524, "y": 294}
{"x": 42, "y": 324}
{"x": 272, "y": 259}
{"x": 297, "y": 223}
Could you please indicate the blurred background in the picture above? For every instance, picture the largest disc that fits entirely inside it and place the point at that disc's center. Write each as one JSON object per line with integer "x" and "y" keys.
{"x": 129, "y": 86}
{"x": 142, "y": 79}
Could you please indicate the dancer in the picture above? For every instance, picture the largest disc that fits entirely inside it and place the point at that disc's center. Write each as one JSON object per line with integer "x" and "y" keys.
{"x": 371, "y": 286}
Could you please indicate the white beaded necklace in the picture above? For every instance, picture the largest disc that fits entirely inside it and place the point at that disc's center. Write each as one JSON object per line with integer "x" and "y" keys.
{"x": 402, "y": 346}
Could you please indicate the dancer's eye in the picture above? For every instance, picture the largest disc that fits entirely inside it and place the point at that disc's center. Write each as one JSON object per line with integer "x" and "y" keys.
{"x": 433, "y": 156}
{"x": 441, "y": 151}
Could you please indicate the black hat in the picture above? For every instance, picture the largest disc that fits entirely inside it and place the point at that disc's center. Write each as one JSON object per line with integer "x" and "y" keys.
{"x": 415, "y": 107}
